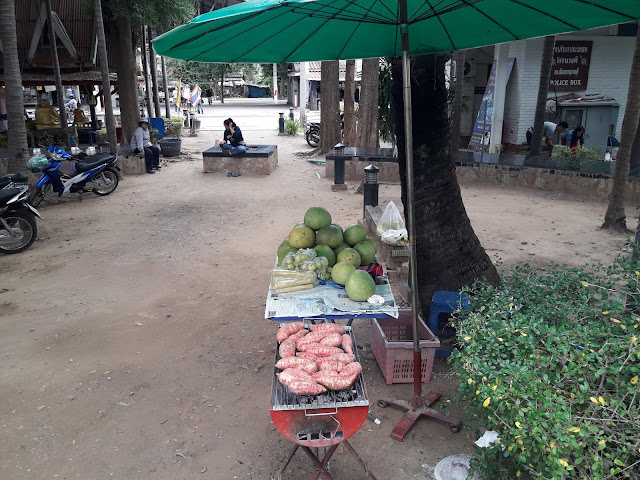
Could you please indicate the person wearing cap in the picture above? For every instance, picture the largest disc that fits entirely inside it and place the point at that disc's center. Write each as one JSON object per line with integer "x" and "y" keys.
{"x": 141, "y": 142}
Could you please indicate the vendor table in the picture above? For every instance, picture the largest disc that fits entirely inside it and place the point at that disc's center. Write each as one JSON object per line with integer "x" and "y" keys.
{"x": 328, "y": 303}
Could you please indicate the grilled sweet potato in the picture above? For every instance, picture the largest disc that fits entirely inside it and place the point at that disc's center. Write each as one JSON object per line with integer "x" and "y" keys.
{"x": 345, "y": 358}
{"x": 328, "y": 328}
{"x": 330, "y": 365}
{"x": 305, "y": 387}
{"x": 320, "y": 350}
{"x": 354, "y": 368}
{"x": 313, "y": 337}
{"x": 289, "y": 374}
{"x": 336, "y": 383}
{"x": 287, "y": 348}
{"x": 287, "y": 330}
{"x": 309, "y": 356}
{"x": 332, "y": 340}
{"x": 347, "y": 343}
{"x": 308, "y": 366}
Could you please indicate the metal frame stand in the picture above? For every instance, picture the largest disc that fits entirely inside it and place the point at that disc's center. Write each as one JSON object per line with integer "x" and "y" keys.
{"x": 322, "y": 465}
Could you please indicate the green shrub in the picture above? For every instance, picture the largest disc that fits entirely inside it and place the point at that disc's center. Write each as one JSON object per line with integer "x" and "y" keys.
{"x": 551, "y": 362}
{"x": 173, "y": 126}
{"x": 291, "y": 127}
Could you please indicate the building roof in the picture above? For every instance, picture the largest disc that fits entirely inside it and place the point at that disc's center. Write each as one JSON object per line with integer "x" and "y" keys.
{"x": 74, "y": 78}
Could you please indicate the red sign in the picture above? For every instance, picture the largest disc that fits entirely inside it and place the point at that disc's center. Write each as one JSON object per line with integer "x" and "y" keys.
{"x": 570, "y": 70}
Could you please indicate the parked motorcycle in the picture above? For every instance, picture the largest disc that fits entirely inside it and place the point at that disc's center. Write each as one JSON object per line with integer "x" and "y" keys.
{"x": 95, "y": 173}
{"x": 18, "y": 229}
{"x": 312, "y": 134}
{"x": 13, "y": 180}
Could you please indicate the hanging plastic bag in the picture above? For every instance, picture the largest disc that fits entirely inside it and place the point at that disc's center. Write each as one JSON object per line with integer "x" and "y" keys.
{"x": 391, "y": 219}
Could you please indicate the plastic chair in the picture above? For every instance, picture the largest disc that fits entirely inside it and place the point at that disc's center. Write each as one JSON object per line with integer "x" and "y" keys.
{"x": 445, "y": 302}
{"x": 158, "y": 124}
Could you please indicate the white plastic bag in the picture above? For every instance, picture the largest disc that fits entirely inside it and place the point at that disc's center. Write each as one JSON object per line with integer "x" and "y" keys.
{"x": 395, "y": 237}
{"x": 391, "y": 219}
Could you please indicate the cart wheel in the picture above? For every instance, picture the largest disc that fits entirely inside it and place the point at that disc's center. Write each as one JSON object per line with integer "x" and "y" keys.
{"x": 382, "y": 404}
{"x": 456, "y": 427}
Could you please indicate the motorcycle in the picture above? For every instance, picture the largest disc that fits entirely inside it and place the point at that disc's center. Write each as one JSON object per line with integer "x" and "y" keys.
{"x": 312, "y": 134}
{"x": 13, "y": 180}
{"x": 18, "y": 228}
{"x": 96, "y": 173}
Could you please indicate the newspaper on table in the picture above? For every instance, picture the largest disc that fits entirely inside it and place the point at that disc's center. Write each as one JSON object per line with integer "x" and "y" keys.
{"x": 325, "y": 300}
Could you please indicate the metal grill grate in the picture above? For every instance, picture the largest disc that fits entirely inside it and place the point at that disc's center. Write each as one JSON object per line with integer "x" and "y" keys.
{"x": 354, "y": 396}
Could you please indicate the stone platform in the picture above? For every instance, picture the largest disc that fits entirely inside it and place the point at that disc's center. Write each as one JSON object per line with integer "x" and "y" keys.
{"x": 257, "y": 160}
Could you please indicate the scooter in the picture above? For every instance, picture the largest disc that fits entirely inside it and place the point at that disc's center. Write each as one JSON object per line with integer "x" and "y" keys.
{"x": 18, "y": 229}
{"x": 13, "y": 180}
{"x": 312, "y": 134}
{"x": 96, "y": 173}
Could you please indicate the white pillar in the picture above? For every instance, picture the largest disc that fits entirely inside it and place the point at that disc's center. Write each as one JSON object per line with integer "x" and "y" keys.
{"x": 497, "y": 119}
{"x": 303, "y": 92}
{"x": 275, "y": 83}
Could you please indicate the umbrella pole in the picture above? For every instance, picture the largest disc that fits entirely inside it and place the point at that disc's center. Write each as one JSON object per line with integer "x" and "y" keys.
{"x": 420, "y": 405}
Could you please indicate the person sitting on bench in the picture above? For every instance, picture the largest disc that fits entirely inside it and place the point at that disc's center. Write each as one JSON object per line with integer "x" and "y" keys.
{"x": 233, "y": 140}
{"x": 141, "y": 142}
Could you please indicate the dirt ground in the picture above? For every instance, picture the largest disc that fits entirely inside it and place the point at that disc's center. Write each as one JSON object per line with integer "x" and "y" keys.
{"x": 133, "y": 338}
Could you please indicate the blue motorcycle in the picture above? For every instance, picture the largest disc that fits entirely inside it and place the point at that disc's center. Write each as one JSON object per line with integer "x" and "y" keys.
{"x": 96, "y": 173}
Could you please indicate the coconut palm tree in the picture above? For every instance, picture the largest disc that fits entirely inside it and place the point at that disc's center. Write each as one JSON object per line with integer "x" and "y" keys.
{"x": 615, "y": 218}
{"x": 543, "y": 90}
{"x": 17, "y": 132}
{"x": 449, "y": 254}
{"x": 457, "y": 102}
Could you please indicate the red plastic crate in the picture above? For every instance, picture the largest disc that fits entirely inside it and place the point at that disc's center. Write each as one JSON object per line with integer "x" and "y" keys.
{"x": 392, "y": 345}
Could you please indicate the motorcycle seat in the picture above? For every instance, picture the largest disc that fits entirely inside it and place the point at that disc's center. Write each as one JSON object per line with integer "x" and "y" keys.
{"x": 93, "y": 161}
{"x": 5, "y": 195}
{"x": 4, "y": 182}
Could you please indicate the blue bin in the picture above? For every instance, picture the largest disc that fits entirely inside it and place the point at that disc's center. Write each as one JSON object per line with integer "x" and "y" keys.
{"x": 158, "y": 124}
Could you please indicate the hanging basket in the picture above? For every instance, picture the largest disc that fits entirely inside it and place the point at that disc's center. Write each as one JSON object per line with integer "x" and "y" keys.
{"x": 170, "y": 147}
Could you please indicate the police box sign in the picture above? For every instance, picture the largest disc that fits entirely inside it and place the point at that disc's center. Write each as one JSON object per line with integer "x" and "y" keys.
{"x": 570, "y": 70}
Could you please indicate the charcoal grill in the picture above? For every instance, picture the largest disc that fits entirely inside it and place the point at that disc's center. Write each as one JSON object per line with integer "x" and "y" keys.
{"x": 319, "y": 421}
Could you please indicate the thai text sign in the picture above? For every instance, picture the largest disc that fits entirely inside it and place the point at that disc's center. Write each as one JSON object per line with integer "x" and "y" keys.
{"x": 570, "y": 71}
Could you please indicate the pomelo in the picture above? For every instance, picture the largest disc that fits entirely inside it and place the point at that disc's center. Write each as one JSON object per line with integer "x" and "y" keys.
{"x": 366, "y": 251}
{"x": 336, "y": 225}
{"x": 283, "y": 253}
{"x": 354, "y": 234}
{"x": 283, "y": 245}
{"x": 327, "y": 252}
{"x": 330, "y": 235}
{"x": 349, "y": 255}
{"x": 360, "y": 286}
{"x": 341, "y": 272}
{"x": 340, "y": 248}
{"x": 317, "y": 218}
{"x": 372, "y": 242}
{"x": 301, "y": 237}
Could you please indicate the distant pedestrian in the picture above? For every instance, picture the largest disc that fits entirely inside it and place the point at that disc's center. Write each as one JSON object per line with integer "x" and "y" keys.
{"x": 548, "y": 131}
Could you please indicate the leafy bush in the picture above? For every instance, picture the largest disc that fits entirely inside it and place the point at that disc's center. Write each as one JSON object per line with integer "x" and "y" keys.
{"x": 291, "y": 127}
{"x": 173, "y": 126}
{"x": 551, "y": 361}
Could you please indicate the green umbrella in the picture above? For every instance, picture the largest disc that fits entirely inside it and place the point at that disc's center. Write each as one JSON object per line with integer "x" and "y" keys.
{"x": 274, "y": 31}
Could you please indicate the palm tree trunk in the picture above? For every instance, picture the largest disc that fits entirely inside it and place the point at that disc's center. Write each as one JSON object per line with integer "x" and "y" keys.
{"x": 615, "y": 218}
{"x": 367, "y": 127}
{"x": 154, "y": 73}
{"x": 17, "y": 133}
{"x": 106, "y": 84}
{"x": 457, "y": 103}
{"x": 634, "y": 159}
{"x": 56, "y": 69}
{"x": 167, "y": 106}
{"x": 330, "y": 110}
{"x": 222, "y": 86}
{"x": 121, "y": 41}
{"x": 543, "y": 90}
{"x": 145, "y": 69}
{"x": 449, "y": 255}
{"x": 349, "y": 104}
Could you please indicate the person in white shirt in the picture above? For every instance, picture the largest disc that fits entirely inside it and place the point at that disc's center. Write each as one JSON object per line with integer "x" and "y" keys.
{"x": 72, "y": 104}
{"x": 548, "y": 131}
{"x": 141, "y": 142}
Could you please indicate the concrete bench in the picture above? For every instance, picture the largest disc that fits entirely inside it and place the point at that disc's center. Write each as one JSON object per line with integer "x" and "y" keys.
{"x": 357, "y": 158}
{"x": 257, "y": 160}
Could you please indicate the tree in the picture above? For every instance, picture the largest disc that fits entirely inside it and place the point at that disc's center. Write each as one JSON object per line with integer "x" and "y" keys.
{"x": 330, "y": 111}
{"x": 385, "y": 103}
{"x": 543, "y": 90}
{"x": 154, "y": 73}
{"x": 349, "y": 104}
{"x": 615, "y": 218}
{"x": 145, "y": 71}
{"x": 104, "y": 69}
{"x": 367, "y": 128}
{"x": 457, "y": 102}
{"x": 17, "y": 133}
{"x": 449, "y": 255}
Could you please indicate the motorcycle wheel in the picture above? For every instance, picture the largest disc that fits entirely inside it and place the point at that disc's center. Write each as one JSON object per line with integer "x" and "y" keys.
{"x": 313, "y": 137}
{"x": 38, "y": 195}
{"x": 109, "y": 179}
{"x": 23, "y": 222}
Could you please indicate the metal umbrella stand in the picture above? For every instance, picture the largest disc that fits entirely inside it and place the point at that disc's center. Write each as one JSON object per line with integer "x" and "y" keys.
{"x": 304, "y": 30}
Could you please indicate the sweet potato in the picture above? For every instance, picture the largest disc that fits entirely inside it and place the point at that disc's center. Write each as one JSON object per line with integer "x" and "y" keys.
{"x": 290, "y": 374}
{"x": 287, "y": 348}
{"x": 328, "y": 328}
{"x": 330, "y": 365}
{"x": 354, "y": 368}
{"x": 309, "y": 356}
{"x": 347, "y": 343}
{"x": 305, "y": 387}
{"x": 336, "y": 383}
{"x": 332, "y": 340}
{"x": 313, "y": 337}
{"x": 345, "y": 358}
{"x": 287, "y": 330}
{"x": 308, "y": 366}
{"x": 329, "y": 373}
{"x": 320, "y": 350}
